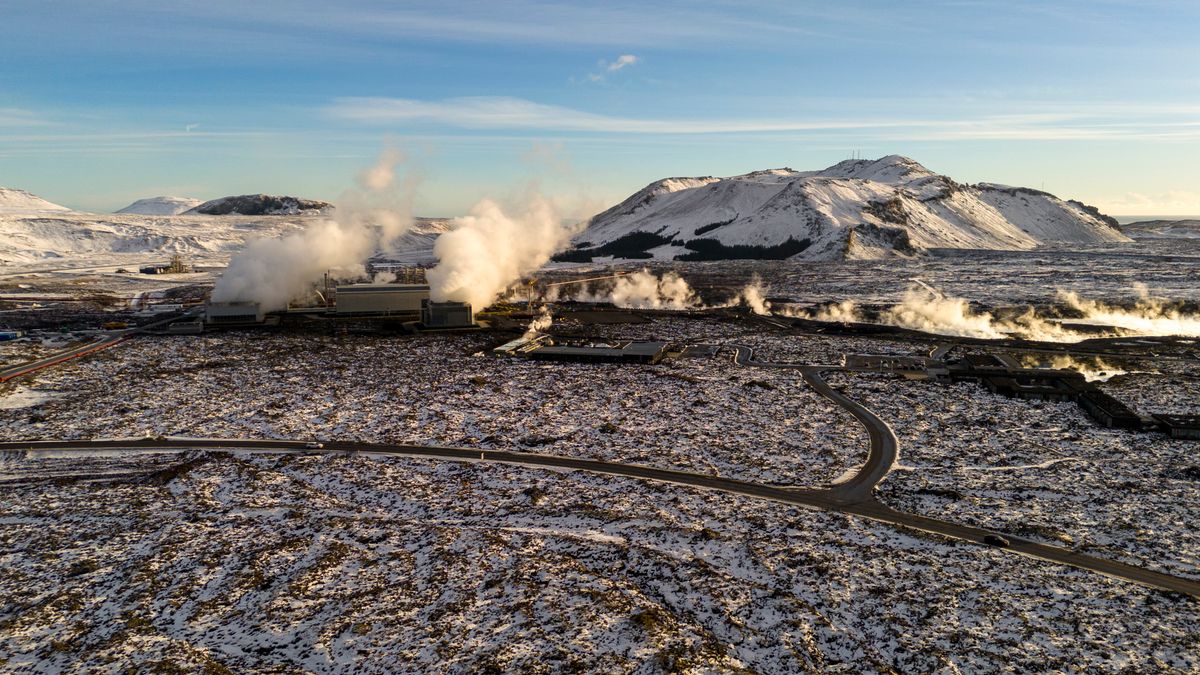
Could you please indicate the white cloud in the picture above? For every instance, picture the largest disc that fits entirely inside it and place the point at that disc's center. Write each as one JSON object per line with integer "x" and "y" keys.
{"x": 622, "y": 61}
{"x": 18, "y": 117}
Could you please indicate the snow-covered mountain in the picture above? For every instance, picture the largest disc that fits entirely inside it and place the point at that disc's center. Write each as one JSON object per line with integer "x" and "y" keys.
{"x": 161, "y": 206}
{"x": 259, "y": 205}
{"x": 17, "y": 201}
{"x": 853, "y": 209}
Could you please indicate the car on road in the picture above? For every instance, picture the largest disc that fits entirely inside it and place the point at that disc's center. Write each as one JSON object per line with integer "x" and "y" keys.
{"x": 314, "y": 445}
{"x": 996, "y": 540}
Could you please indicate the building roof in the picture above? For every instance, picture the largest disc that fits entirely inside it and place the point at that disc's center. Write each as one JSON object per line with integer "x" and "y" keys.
{"x": 1179, "y": 421}
{"x": 383, "y": 288}
{"x": 640, "y": 348}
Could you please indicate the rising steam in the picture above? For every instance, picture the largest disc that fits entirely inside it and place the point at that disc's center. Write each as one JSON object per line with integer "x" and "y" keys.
{"x": 540, "y": 323}
{"x": 490, "y": 249}
{"x": 1093, "y": 369}
{"x": 925, "y": 309}
{"x": 273, "y": 272}
{"x": 668, "y": 291}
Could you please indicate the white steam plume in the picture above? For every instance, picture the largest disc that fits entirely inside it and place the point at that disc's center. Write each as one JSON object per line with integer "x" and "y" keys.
{"x": 753, "y": 295}
{"x": 541, "y": 323}
{"x": 926, "y": 309}
{"x": 643, "y": 290}
{"x": 1093, "y": 370}
{"x": 490, "y": 249}
{"x": 273, "y": 272}
{"x": 1148, "y": 316}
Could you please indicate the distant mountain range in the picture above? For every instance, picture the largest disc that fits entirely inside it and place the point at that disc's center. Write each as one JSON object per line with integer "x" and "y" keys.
{"x": 853, "y": 209}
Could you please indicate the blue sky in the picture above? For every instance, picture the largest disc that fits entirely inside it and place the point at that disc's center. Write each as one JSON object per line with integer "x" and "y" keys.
{"x": 105, "y": 101}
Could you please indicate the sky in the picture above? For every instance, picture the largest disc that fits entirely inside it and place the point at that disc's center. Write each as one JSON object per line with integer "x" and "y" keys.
{"x": 107, "y": 101}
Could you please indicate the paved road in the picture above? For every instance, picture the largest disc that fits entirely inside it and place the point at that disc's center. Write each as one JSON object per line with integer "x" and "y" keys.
{"x": 111, "y": 340}
{"x": 58, "y": 357}
{"x": 884, "y": 450}
{"x": 857, "y": 496}
{"x": 820, "y": 499}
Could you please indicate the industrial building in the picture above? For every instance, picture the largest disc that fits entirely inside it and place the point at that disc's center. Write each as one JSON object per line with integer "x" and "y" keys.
{"x": 395, "y": 304}
{"x": 544, "y": 348}
{"x": 233, "y": 313}
{"x": 381, "y": 299}
{"x": 1108, "y": 411}
{"x": 446, "y": 315}
{"x": 1180, "y": 426}
{"x": 1044, "y": 385}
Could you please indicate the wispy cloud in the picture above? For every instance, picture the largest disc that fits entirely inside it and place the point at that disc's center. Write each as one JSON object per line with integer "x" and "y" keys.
{"x": 623, "y": 61}
{"x": 501, "y": 112}
{"x": 1134, "y": 203}
{"x": 491, "y": 113}
{"x": 19, "y": 117}
{"x": 607, "y": 68}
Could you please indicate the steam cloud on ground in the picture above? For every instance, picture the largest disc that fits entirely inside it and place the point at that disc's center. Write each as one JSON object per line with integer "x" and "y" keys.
{"x": 273, "y": 272}
{"x": 669, "y": 291}
{"x": 490, "y": 249}
{"x": 925, "y": 309}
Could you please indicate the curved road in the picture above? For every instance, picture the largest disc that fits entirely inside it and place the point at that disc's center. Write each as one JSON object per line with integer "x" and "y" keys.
{"x": 856, "y": 496}
{"x": 821, "y": 499}
{"x": 884, "y": 450}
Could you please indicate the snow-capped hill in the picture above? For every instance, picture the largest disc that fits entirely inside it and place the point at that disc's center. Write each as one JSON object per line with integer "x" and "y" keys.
{"x": 13, "y": 200}
{"x": 1163, "y": 229}
{"x": 161, "y": 206}
{"x": 259, "y": 205}
{"x": 853, "y": 209}
{"x": 892, "y": 169}
{"x": 658, "y": 188}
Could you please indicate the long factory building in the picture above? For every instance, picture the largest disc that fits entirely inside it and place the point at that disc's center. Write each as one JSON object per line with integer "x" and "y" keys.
{"x": 393, "y": 301}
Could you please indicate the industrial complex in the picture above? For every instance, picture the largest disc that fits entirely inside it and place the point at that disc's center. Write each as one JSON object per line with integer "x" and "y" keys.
{"x": 402, "y": 303}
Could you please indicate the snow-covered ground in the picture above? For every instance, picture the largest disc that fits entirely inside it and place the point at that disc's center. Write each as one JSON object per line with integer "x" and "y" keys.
{"x": 256, "y": 562}
{"x": 81, "y": 238}
{"x": 1040, "y": 470}
{"x": 315, "y": 564}
{"x": 701, "y": 415}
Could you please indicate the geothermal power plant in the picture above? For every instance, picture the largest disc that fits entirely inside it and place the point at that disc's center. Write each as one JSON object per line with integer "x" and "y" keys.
{"x": 394, "y": 302}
